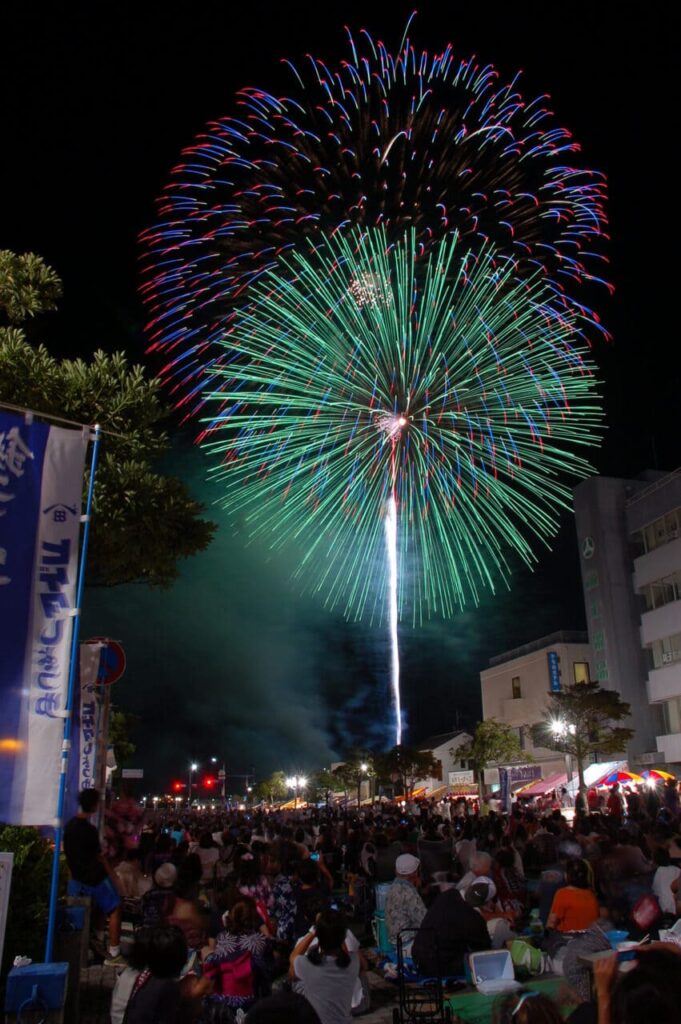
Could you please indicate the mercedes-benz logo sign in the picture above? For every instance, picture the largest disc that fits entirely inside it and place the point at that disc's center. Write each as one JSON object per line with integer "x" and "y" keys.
{"x": 588, "y": 547}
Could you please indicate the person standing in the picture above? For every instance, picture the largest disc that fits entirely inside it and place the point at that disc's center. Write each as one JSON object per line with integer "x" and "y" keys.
{"x": 91, "y": 873}
{"x": 616, "y": 803}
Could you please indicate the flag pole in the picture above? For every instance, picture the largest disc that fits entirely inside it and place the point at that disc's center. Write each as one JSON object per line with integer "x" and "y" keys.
{"x": 68, "y": 723}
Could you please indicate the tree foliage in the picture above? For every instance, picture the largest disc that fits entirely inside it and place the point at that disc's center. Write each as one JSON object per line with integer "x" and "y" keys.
{"x": 582, "y": 720}
{"x": 27, "y": 286}
{"x": 121, "y": 725}
{"x": 322, "y": 784}
{"x": 272, "y": 789}
{"x": 29, "y": 894}
{"x": 406, "y": 766}
{"x": 144, "y": 521}
{"x": 493, "y": 742}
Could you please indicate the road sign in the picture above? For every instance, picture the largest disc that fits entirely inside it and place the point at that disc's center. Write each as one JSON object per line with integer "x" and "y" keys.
{"x": 112, "y": 664}
{"x": 132, "y": 773}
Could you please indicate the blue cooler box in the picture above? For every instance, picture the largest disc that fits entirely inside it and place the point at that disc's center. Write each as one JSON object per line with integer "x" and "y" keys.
{"x": 49, "y": 981}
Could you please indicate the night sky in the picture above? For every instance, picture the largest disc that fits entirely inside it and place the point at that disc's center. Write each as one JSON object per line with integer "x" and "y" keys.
{"x": 98, "y": 101}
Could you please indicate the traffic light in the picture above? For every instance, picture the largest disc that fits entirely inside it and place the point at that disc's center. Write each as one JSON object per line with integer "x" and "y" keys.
{"x": 209, "y": 782}
{"x": 178, "y": 786}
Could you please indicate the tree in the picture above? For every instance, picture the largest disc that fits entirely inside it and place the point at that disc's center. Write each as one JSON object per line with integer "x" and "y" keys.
{"x": 121, "y": 724}
{"x": 407, "y": 765}
{"x": 353, "y": 772}
{"x": 272, "y": 788}
{"x": 580, "y": 720}
{"x": 323, "y": 783}
{"x": 493, "y": 742}
{"x": 143, "y": 521}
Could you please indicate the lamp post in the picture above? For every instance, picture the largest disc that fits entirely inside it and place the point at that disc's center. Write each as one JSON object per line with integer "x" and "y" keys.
{"x": 192, "y": 768}
{"x": 560, "y": 729}
{"x": 297, "y": 783}
{"x": 364, "y": 768}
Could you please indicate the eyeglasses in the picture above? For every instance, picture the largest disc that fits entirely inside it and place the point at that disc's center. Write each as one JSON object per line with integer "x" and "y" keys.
{"x": 523, "y": 999}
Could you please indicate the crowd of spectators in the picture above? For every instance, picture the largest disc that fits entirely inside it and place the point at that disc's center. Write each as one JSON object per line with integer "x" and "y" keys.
{"x": 237, "y": 912}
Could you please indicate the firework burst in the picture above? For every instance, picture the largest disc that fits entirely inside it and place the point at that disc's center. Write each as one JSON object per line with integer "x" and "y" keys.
{"x": 411, "y": 141}
{"x": 459, "y": 392}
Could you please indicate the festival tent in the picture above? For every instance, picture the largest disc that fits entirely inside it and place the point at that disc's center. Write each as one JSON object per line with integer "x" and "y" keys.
{"x": 542, "y": 786}
{"x": 594, "y": 774}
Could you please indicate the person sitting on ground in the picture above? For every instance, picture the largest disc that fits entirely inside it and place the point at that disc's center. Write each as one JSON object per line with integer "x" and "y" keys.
{"x": 510, "y": 886}
{"x": 283, "y": 1008}
{"x": 208, "y": 853}
{"x": 158, "y": 902}
{"x": 137, "y": 962}
{"x": 155, "y": 996}
{"x": 480, "y": 867}
{"x": 250, "y": 880}
{"x": 666, "y": 881}
{"x": 649, "y": 992}
{"x": 279, "y": 867}
{"x": 191, "y": 916}
{"x": 450, "y": 929}
{"x": 527, "y": 1008}
{"x": 574, "y": 906}
{"x": 241, "y": 963}
{"x": 91, "y": 874}
{"x": 312, "y": 895}
{"x": 404, "y": 908}
{"x": 326, "y": 975}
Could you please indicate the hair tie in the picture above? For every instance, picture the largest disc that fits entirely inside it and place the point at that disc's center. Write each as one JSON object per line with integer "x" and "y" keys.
{"x": 523, "y": 999}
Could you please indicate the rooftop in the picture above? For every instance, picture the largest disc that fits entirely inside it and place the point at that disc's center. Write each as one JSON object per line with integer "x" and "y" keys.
{"x": 563, "y": 636}
{"x": 433, "y": 742}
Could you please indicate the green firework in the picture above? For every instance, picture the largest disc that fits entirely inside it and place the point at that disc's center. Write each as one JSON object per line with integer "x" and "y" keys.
{"x": 363, "y": 370}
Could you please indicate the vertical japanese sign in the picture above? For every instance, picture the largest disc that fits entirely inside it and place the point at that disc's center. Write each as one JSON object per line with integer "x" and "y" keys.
{"x": 87, "y": 722}
{"x": 504, "y": 790}
{"x": 41, "y": 480}
{"x": 554, "y": 671}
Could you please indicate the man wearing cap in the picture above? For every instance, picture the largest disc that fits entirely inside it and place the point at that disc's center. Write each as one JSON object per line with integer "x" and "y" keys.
{"x": 452, "y": 928}
{"x": 404, "y": 907}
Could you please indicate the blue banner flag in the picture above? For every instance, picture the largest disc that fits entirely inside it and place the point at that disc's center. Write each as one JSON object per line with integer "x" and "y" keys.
{"x": 41, "y": 481}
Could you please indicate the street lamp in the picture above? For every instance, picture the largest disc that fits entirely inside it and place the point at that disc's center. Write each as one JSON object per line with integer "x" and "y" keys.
{"x": 560, "y": 729}
{"x": 192, "y": 768}
{"x": 296, "y": 783}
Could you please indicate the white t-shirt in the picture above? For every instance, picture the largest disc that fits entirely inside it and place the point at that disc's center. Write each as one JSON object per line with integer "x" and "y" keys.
{"x": 328, "y": 987}
{"x": 662, "y": 882}
{"x": 120, "y": 996}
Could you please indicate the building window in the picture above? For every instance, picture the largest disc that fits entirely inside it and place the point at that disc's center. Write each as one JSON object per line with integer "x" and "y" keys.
{"x": 515, "y": 687}
{"x": 662, "y": 592}
{"x": 671, "y": 715}
{"x": 666, "y": 651}
{"x": 662, "y": 531}
{"x": 581, "y": 671}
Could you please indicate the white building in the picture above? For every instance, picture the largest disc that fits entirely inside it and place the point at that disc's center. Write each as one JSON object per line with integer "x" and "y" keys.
{"x": 517, "y": 685}
{"x": 443, "y": 747}
{"x": 630, "y": 546}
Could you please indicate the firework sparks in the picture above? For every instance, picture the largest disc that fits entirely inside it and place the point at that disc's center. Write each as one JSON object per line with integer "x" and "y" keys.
{"x": 467, "y": 399}
{"x": 407, "y": 141}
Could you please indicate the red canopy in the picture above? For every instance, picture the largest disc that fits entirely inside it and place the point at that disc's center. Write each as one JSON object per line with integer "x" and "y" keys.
{"x": 542, "y": 786}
